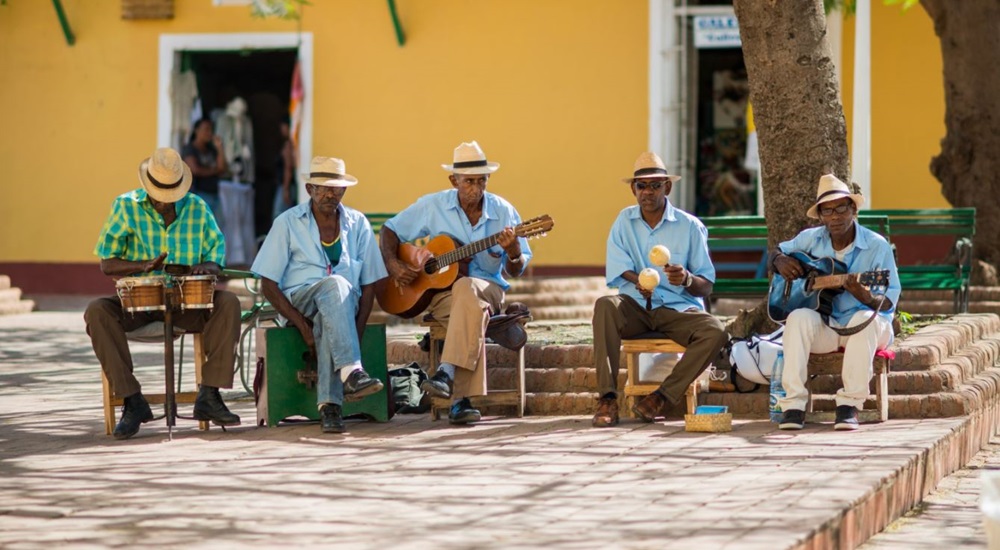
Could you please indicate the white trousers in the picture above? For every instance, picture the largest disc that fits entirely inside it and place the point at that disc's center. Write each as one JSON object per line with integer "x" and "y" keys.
{"x": 805, "y": 333}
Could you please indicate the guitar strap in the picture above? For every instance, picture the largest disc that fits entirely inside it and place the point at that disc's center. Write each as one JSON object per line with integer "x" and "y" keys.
{"x": 855, "y": 329}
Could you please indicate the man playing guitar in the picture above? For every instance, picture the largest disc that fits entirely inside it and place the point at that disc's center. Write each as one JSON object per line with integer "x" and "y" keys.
{"x": 806, "y": 331}
{"x": 465, "y": 213}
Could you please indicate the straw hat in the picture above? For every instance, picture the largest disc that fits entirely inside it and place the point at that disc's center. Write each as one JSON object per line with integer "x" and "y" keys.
{"x": 470, "y": 159}
{"x": 165, "y": 176}
{"x": 329, "y": 172}
{"x": 650, "y": 166}
{"x": 830, "y": 189}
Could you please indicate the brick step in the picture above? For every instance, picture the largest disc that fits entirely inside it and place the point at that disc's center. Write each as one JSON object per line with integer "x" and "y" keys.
{"x": 8, "y": 295}
{"x": 549, "y": 299}
{"x": 945, "y": 307}
{"x": 17, "y": 308}
{"x": 4, "y": 282}
{"x": 976, "y": 294}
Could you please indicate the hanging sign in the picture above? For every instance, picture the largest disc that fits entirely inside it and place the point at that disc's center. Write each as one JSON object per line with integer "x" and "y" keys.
{"x": 716, "y": 31}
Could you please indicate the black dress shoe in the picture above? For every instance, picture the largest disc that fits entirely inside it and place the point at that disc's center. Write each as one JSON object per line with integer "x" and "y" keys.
{"x": 209, "y": 406}
{"x": 135, "y": 411}
{"x": 462, "y": 413}
{"x": 330, "y": 419}
{"x": 359, "y": 385}
{"x": 438, "y": 385}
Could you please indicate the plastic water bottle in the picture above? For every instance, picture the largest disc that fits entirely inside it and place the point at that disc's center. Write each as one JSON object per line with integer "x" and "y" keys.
{"x": 777, "y": 391}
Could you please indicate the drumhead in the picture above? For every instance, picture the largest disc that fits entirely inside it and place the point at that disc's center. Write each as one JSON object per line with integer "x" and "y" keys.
{"x": 126, "y": 282}
{"x": 197, "y": 278}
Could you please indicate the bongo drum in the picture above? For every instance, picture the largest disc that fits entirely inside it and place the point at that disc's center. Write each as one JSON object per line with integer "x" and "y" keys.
{"x": 141, "y": 293}
{"x": 196, "y": 291}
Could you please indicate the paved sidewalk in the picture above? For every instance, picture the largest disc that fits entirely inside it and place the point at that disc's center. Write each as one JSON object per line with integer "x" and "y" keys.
{"x": 410, "y": 483}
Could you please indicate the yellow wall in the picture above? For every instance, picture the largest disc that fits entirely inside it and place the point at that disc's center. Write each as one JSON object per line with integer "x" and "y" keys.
{"x": 907, "y": 105}
{"x": 554, "y": 90}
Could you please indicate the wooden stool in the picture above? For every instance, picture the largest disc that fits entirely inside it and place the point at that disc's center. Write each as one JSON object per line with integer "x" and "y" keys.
{"x": 149, "y": 336}
{"x": 833, "y": 364}
{"x": 650, "y": 343}
{"x": 506, "y": 397}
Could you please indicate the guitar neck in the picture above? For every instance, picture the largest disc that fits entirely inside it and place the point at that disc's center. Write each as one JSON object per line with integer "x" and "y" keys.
{"x": 829, "y": 281}
{"x": 466, "y": 251}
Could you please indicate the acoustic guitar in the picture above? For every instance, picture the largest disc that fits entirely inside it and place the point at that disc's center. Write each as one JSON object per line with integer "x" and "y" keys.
{"x": 441, "y": 269}
{"x": 823, "y": 281}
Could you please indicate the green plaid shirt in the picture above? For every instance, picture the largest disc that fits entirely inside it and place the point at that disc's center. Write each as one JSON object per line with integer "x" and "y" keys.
{"x": 134, "y": 231}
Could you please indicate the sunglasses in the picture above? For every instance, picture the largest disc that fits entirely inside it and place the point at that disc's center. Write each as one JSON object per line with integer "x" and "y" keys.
{"x": 654, "y": 185}
{"x": 842, "y": 209}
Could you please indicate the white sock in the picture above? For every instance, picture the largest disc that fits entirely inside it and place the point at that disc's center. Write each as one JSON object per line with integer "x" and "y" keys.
{"x": 448, "y": 369}
{"x": 346, "y": 371}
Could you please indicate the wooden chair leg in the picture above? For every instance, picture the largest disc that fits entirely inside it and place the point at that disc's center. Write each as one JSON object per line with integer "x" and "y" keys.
{"x": 520, "y": 383}
{"x": 692, "y": 397}
{"x": 109, "y": 409}
{"x": 631, "y": 378}
{"x": 199, "y": 361}
{"x": 882, "y": 393}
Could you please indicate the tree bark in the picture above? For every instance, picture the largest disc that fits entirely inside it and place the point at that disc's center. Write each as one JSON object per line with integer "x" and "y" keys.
{"x": 796, "y": 105}
{"x": 968, "y": 166}
{"x": 800, "y": 122}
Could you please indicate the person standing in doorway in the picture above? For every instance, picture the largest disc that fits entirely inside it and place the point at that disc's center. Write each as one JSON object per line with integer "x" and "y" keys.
{"x": 286, "y": 194}
{"x": 203, "y": 154}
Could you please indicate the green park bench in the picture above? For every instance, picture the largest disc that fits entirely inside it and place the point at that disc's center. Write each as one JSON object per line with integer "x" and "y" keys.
{"x": 738, "y": 247}
{"x": 918, "y": 230}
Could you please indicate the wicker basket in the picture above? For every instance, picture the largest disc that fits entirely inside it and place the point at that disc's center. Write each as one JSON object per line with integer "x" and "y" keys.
{"x": 708, "y": 422}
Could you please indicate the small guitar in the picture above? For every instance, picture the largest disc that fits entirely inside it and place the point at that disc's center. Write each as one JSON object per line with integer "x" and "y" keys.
{"x": 441, "y": 270}
{"x": 824, "y": 280}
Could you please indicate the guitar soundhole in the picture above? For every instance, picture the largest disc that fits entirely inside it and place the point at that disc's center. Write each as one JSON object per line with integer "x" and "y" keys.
{"x": 431, "y": 266}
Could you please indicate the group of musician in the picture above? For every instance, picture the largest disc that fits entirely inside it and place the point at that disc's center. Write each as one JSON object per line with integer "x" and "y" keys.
{"x": 320, "y": 263}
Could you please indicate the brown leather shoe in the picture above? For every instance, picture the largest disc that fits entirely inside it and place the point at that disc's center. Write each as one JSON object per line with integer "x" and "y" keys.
{"x": 648, "y": 409}
{"x": 607, "y": 413}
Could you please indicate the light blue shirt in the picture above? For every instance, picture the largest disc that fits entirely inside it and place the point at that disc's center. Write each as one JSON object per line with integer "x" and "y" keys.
{"x": 293, "y": 257}
{"x": 628, "y": 250}
{"x": 440, "y": 214}
{"x": 871, "y": 251}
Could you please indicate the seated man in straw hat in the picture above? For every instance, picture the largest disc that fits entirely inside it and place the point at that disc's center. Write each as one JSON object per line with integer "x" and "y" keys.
{"x": 319, "y": 264}
{"x": 674, "y": 306}
{"x": 466, "y": 213}
{"x": 806, "y": 331}
{"x": 156, "y": 224}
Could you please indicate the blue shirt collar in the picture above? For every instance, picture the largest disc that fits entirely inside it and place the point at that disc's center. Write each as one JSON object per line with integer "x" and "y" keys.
{"x": 487, "y": 206}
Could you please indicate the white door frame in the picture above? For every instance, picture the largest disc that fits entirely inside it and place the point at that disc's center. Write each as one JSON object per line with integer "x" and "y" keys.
{"x": 172, "y": 44}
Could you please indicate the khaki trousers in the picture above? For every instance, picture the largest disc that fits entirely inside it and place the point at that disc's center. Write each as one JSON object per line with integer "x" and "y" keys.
{"x": 617, "y": 317}
{"x": 465, "y": 311}
{"x": 107, "y": 324}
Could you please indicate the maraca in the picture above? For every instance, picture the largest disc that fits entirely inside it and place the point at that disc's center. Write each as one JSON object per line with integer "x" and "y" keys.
{"x": 649, "y": 278}
{"x": 659, "y": 255}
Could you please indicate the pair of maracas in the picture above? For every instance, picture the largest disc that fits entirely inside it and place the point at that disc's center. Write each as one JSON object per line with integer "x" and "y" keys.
{"x": 649, "y": 278}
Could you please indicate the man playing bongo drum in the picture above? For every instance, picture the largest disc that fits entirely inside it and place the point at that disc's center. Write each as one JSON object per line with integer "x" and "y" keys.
{"x": 162, "y": 223}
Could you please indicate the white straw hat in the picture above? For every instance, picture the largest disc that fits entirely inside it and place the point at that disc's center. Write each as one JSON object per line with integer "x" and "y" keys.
{"x": 830, "y": 189}
{"x": 165, "y": 176}
{"x": 329, "y": 172}
{"x": 650, "y": 166}
{"x": 470, "y": 159}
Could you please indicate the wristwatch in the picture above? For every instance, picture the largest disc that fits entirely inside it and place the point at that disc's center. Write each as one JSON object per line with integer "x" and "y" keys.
{"x": 689, "y": 280}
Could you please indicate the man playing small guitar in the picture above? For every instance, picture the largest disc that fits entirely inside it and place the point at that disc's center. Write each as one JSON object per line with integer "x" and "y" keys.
{"x": 466, "y": 213}
{"x": 807, "y": 331}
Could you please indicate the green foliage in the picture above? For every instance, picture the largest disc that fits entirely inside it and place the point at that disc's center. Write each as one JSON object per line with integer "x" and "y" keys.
{"x": 910, "y": 324}
{"x": 282, "y": 9}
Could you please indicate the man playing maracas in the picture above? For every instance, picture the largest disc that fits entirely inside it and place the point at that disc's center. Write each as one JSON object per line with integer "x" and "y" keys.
{"x": 654, "y": 233}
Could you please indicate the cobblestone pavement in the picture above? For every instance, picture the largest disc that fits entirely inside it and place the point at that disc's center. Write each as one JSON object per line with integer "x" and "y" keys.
{"x": 949, "y": 517}
{"x": 412, "y": 483}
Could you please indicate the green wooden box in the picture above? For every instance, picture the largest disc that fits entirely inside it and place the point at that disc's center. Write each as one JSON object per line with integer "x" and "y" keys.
{"x": 283, "y": 394}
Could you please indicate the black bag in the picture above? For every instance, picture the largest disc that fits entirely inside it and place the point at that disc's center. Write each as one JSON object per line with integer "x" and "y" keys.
{"x": 406, "y": 392}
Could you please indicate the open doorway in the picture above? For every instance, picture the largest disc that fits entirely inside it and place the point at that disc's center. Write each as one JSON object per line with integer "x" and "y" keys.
{"x": 262, "y": 78}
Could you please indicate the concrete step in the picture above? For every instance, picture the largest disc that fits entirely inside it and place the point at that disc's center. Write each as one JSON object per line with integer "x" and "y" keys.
{"x": 945, "y": 307}
{"x": 548, "y": 299}
{"x": 556, "y": 284}
{"x": 8, "y": 295}
{"x": 16, "y": 308}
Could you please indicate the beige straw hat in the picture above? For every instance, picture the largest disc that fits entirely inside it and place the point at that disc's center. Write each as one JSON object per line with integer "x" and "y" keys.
{"x": 650, "y": 166}
{"x": 165, "y": 176}
{"x": 830, "y": 189}
{"x": 470, "y": 159}
{"x": 329, "y": 172}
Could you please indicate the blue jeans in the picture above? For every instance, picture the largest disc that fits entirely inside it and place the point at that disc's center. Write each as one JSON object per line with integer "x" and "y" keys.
{"x": 332, "y": 306}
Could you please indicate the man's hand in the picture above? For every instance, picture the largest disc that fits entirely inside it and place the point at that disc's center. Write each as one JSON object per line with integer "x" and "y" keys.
{"x": 676, "y": 274}
{"x": 789, "y": 267}
{"x": 206, "y": 268}
{"x": 306, "y": 330}
{"x": 858, "y": 290}
{"x": 647, "y": 294}
{"x": 508, "y": 240}
{"x": 402, "y": 272}
{"x": 155, "y": 264}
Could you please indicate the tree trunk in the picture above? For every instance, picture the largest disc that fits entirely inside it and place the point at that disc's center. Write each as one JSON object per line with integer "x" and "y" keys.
{"x": 796, "y": 106}
{"x": 800, "y": 120}
{"x": 969, "y": 164}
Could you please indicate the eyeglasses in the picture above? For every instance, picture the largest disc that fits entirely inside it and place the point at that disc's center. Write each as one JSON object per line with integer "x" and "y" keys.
{"x": 654, "y": 185}
{"x": 323, "y": 190}
{"x": 842, "y": 209}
